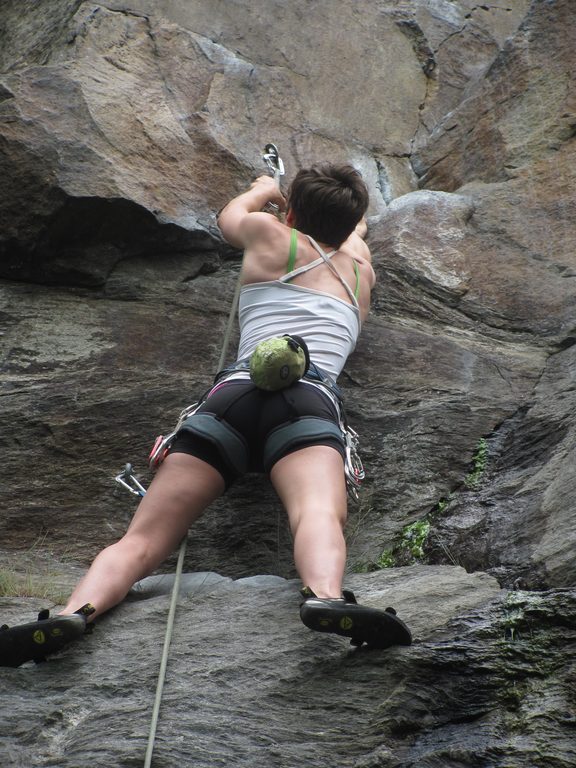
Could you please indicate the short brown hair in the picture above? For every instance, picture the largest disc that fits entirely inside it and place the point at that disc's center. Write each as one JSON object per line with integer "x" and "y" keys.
{"x": 328, "y": 201}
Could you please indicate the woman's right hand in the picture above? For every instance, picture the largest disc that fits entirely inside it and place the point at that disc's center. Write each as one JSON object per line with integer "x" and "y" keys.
{"x": 267, "y": 185}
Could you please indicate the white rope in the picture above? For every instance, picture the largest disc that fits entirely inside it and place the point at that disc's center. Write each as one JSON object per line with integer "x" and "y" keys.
{"x": 230, "y": 323}
{"x": 182, "y": 552}
{"x": 165, "y": 652}
{"x": 180, "y": 566}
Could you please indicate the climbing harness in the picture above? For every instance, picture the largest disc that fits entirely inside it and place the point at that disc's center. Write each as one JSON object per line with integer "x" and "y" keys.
{"x": 353, "y": 468}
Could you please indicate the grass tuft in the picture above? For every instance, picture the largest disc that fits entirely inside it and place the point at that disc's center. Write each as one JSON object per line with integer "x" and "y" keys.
{"x": 26, "y": 585}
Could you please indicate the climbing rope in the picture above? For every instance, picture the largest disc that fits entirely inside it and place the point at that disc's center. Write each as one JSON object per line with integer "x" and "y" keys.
{"x": 275, "y": 165}
{"x": 127, "y": 479}
{"x": 165, "y": 652}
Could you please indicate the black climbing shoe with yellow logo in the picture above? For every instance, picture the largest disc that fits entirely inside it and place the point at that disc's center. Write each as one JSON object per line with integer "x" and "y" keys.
{"x": 38, "y": 639}
{"x": 343, "y": 616}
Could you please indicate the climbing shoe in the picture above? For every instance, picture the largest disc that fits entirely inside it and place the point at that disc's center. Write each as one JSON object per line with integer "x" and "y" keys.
{"x": 344, "y": 616}
{"x": 38, "y": 639}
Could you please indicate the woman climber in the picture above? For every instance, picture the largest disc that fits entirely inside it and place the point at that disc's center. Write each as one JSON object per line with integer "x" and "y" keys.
{"x": 306, "y": 285}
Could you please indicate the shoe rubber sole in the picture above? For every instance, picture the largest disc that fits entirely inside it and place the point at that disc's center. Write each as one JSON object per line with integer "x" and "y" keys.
{"x": 37, "y": 639}
{"x": 362, "y": 624}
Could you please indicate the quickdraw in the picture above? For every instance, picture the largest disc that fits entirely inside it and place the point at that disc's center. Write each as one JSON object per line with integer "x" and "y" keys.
{"x": 128, "y": 480}
{"x": 162, "y": 444}
{"x": 353, "y": 466}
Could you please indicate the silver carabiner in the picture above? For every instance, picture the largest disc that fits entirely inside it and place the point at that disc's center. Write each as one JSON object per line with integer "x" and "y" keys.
{"x": 273, "y": 161}
{"x": 354, "y": 469}
{"x": 128, "y": 480}
{"x": 275, "y": 165}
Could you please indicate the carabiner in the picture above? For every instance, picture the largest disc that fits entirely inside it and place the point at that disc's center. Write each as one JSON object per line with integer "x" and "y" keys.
{"x": 273, "y": 161}
{"x": 128, "y": 480}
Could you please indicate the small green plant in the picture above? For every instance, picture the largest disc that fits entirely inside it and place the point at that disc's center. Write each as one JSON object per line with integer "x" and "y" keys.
{"x": 408, "y": 549}
{"x": 414, "y": 537}
{"x": 479, "y": 462}
{"x": 442, "y": 504}
{"x": 386, "y": 559}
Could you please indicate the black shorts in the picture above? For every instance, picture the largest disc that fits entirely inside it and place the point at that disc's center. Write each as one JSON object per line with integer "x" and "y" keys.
{"x": 263, "y": 426}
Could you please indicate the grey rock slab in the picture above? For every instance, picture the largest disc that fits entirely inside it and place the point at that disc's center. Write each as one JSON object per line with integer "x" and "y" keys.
{"x": 520, "y": 112}
{"x": 247, "y": 683}
{"x": 425, "y": 597}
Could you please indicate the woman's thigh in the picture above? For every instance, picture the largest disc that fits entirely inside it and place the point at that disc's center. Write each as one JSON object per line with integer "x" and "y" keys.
{"x": 181, "y": 490}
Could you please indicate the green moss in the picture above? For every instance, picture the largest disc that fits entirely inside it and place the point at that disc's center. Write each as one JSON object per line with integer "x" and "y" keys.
{"x": 409, "y": 549}
{"x": 442, "y": 504}
{"x": 479, "y": 461}
{"x": 414, "y": 537}
{"x": 386, "y": 560}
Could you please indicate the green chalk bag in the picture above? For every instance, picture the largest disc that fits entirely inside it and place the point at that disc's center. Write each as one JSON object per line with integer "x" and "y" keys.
{"x": 278, "y": 362}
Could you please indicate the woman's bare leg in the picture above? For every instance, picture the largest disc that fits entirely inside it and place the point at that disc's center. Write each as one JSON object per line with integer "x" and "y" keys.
{"x": 181, "y": 490}
{"x": 312, "y": 487}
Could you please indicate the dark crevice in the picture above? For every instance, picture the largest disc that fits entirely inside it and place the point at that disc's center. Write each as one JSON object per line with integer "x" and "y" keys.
{"x": 85, "y": 238}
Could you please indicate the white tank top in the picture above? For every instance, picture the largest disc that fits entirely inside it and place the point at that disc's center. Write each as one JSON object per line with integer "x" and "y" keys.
{"x": 329, "y": 325}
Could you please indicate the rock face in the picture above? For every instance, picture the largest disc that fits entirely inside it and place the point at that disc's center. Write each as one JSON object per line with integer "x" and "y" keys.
{"x": 485, "y": 682}
{"x": 124, "y": 127}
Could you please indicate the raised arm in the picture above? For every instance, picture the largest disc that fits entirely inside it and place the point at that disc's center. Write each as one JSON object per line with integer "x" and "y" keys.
{"x": 234, "y": 220}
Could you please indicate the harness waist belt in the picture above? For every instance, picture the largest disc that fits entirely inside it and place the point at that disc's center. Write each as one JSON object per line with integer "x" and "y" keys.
{"x": 314, "y": 374}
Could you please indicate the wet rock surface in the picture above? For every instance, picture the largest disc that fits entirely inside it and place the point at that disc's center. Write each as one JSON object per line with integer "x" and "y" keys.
{"x": 124, "y": 127}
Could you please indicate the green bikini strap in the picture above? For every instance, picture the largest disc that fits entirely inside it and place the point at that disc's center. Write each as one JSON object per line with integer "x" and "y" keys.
{"x": 357, "y": 271}
{"x": 293, "y": 249}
